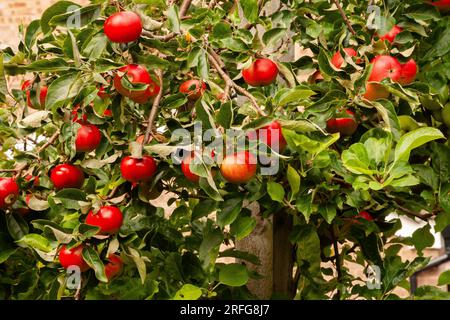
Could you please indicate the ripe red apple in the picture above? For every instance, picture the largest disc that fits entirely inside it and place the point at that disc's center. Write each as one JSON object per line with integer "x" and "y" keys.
{"x": 72, "y": 257}
{"x": 365, "y": 215}
{"x": 26, "y": 86}
{"x": 102, "y": 93}
{"x": 262, "y": 72}
{"x": 136, "y": 74}
{"x": 442, "y": 5}
{"x": 109, "y": 219}
{"x": 408, "y": 73}
{"x": 337, "y": 60}
{"x": 108, "y": 113}
{"x": 29, "y": 177}
{"x": 346, "y": 126}
{"x": 187, "y": 170}
{"x": 384, "y": 66}
{"x": 138, "y": 170}
{"x": 88, "y": 138}
{"x": 9, "y": 191}
{"x": 113, "y": 267}
{"x": 391, "y": 34}
{"x": 271, "y": 135}
{"x": 193, "y": 88}
{"x": 67, "y": 176}
{"x": 239, "y": 167}
{"x": 123, "y": 27}
{"x": 83, "y": 119}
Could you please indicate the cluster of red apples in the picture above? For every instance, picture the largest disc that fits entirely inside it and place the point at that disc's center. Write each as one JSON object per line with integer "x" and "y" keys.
{"x": 136, "y": 83}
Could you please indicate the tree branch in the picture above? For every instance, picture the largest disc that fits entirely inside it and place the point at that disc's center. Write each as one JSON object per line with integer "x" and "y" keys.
{"x": 337, "y": 259}
{"x": 23, "y": 166}
{"x": 184, "y": 7}
{"x": 344, "y": 16}
{"x": 409, "y": 212}
{"x": 233, "y": 85}
{"x": 154, "y": 110}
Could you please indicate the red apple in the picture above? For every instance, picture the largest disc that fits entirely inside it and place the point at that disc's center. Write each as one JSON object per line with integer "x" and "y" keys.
{"x": 271, "y": 135}
{"x": 337, "y": 60}
{"x": 109, "y": 219}
{"x": 113, "y": 267}
{"x": 365, "y": 215}
{"x": 391, "y": 34}
{"x": 9, "y": 191}
{"x": 27, "y": 86}
{"x": 408, "y": 73}
{"x": 383, "y": 67}
{"x": 67, "y": 176}
{"x": 193, "y": 88}
{"x": 72, "y": 257}
{"x": 185, "y": 167}
{"x": 138, "y": 169}
{"x": 346, "y": 126}
{"x": 239, "y": 167}
{"x": 88, "y": 138}
{"x": 442, "y": 5}
{"x": 136, "y": 74}
{"x": 123, "y": 27}
{"x": 262, "y": 72}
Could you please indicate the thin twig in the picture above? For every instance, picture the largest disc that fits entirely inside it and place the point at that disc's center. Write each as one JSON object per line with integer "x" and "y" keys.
{"x": 155, "y": 107}
{"x": 185, "y": 7}
{"x": 23, "y": 166}
{"x": 232, "y": 84}
{"x": 344, "y": 16}
{"x": 423, "y": 217}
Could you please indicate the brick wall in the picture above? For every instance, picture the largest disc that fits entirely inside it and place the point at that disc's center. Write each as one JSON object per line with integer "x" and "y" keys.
{"x": 16, "y": 12}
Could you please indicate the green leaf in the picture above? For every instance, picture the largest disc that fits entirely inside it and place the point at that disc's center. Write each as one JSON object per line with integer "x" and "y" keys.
{"x": 444, "y": 278}
{"x": 276, "y": 191}
{"x": 328, "y": 211}
{"x": 422, "y": 238}
{"x": 209, "y": 248}
{"x": 294, "y": 180}
{"x": 17, "y": 226}
{"x": 203, "y": 209}
{"x": 59, "y": 7}
{"x": 95, "y": 47}
{"x": 70, "y": 198}
{"x": 273, "y": 36}
{"x": 250, "y": 9}
{"x": 188, "y": 292}
{"x": 233, "y": 275}
{"x": 93, "y": 260}
{"x": 295, "y": 95}
{"x": 48, "y": 65}
{"x": 356, "y": 159}
{"x": 415, "y": 139}
{"x": 64, "y": 88}
{"x": 76, "y": 18}
{"x": 304, "y": 205}
{"x": 308, "y": 246}
{"x": 225, "y": 115}
{"x": 234, "y": 44}
{"x": 242, "y": 227}
{"x": 202, "y": 66}
{"x": 174, "y": 18}
{"x": 36, "y": 241}
{"x": 33, "y": 29}
{"x": 229, "y": 211}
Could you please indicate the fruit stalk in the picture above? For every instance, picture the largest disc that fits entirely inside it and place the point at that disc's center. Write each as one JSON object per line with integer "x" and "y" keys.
{"x": 154, "y": 110}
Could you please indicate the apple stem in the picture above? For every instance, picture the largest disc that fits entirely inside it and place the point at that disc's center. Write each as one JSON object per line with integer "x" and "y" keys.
{"x": 154, "y": 110}
{"x": 343, "y": 15}
{"x": 232, "y": 84}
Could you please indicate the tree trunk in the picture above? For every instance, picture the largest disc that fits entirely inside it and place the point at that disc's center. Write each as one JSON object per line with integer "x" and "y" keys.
{"x": 269, "y": 242}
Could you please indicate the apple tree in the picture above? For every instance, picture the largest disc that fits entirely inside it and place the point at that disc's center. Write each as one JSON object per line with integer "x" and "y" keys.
{"x": 326, "y": 119}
